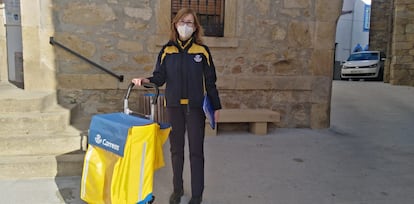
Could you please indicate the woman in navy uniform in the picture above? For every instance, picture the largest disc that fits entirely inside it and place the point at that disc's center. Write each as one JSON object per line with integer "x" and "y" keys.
{"x": 186, "y": 66}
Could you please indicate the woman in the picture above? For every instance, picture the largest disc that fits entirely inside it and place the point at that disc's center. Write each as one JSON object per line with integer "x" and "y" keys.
{"x": 185, "y": 65}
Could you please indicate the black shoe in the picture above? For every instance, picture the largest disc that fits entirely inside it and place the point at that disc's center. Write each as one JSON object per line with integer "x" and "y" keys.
{"x": 175, "y": 197}
{"x": 195, "y": 200}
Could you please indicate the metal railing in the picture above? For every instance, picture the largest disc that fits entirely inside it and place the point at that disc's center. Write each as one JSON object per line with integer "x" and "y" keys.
{"x": 52, "y": 41}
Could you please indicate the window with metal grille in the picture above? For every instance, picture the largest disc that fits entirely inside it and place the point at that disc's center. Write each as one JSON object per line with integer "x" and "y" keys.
{"x": 210, "y": 14}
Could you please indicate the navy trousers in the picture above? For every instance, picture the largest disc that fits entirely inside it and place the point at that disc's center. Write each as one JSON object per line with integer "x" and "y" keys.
{"x": 192, "y": 120}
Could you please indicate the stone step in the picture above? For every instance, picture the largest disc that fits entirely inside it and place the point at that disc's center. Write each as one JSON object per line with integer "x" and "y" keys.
{"x": 13, "y": 99}
{"x": 56, "y": 143}
{"x": 36, "y": 137}
{"x": 54, "y": 119}
{"x": 36, "y": 166}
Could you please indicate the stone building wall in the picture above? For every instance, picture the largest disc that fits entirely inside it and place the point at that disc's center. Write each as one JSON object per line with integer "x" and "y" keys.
{"x": 402, "y": 63}
{"x": 392, "y": 32}
{"x": 381, "y": 25}
{"x": 380, "y": 35}
{"x": 279, "y": 56}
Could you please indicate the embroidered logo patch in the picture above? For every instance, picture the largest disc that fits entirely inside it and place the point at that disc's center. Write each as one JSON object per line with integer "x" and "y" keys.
{"x": 198, "y": 58}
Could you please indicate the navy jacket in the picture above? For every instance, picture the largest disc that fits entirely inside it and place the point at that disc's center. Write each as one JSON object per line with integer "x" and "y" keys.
{"x": 182, "y": 67}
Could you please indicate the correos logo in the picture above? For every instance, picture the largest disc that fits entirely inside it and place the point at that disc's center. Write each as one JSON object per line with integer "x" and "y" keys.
{"x": 105, "y": 142}
{"x": 98, "y": 139}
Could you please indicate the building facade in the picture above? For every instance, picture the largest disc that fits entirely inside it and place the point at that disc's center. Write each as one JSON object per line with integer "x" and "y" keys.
{"x": 275, "y": 55}
{"x": 352, "y": 32}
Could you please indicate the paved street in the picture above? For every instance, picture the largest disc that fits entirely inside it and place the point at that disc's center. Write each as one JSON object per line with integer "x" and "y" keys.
{"x": 366, "y": 157}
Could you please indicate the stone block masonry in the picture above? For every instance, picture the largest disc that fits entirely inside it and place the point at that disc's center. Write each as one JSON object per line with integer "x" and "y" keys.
{"x": 402, "y": 67}
{"x": 274, "y": 55}
{"x": 392, "y": 31}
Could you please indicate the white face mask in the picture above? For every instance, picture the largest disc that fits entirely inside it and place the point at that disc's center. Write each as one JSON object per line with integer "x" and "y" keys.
{"x": 185, "y": 31}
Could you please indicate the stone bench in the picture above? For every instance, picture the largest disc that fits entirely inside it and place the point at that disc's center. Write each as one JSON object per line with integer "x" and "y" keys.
{"x": 257, "y": 119}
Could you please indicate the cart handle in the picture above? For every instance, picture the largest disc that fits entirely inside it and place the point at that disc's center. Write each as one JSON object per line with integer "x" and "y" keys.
{"x": 146, "y": 85}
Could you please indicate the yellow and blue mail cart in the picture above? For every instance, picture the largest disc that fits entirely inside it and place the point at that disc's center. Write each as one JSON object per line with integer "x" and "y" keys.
{"x": 123, "y": 153}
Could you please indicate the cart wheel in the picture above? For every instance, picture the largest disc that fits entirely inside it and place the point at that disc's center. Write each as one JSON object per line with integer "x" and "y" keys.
{"x": 152, "y": 200}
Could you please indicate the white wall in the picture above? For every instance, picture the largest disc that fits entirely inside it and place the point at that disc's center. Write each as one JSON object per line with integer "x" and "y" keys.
{"x": 349, "y": 31}
{"x": 360, "y": 30}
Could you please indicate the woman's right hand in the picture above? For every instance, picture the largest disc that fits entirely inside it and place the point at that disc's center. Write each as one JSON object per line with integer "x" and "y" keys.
{"x": 140, "y": 81}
